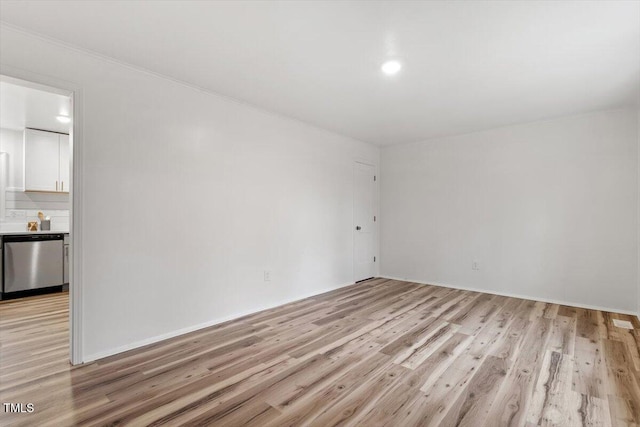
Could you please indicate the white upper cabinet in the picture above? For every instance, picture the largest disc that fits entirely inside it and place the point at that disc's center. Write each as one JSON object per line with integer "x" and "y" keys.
{"x": 64, "y": 163}
{"x": 46, "y": 161}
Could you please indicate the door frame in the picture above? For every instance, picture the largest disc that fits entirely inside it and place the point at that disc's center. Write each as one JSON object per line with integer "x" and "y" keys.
{"x": 376, "y": 209}
{"x": 75, "y": 92}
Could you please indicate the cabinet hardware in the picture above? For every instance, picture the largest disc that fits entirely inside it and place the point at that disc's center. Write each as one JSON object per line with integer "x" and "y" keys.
{"x": 56, "y": 185}
{"x": 62, "y": 187}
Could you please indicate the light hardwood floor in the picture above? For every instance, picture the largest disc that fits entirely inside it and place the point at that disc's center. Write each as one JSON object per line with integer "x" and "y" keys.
{"x": 381, "y": 352}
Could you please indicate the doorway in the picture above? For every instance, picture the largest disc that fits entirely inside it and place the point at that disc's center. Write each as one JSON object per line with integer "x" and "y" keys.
{"x": 364, "y": 221}
{"x": 36, "y": 200}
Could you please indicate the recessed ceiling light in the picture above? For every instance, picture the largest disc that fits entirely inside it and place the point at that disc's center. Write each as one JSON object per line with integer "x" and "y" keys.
{"x": 391, "y": 67}
{"x": 63, "y": 119}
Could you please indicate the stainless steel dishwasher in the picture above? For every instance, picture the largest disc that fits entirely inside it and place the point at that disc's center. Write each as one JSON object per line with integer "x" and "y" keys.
{"x": 32, "y": 262}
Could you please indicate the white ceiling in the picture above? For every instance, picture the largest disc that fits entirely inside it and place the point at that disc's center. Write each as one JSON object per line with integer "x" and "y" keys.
{"x": 467, "y": 65}
{"x": 23, "y": 107}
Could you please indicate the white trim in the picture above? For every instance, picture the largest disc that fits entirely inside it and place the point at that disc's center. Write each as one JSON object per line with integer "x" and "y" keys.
{"x": 76, "y": 197}
{"x": 178, "y": 332}
{"x": 76, "y": 342}
{"x": 638, "y": 210}
{"x": 519, "y": 296}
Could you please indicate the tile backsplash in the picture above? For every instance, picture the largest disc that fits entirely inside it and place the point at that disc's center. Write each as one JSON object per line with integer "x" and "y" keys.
{"x": 23, "y": 207}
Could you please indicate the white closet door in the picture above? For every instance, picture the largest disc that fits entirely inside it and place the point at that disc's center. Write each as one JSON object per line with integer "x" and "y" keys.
{"x": 364, "y": 225}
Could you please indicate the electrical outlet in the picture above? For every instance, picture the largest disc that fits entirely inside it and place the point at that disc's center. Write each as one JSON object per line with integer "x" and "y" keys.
{"x": 475, "y": 265}
{"x": 14, "y": 213}
{"x": 267, "y": 275}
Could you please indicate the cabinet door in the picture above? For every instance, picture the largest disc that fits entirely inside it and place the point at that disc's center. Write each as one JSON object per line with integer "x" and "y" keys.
{"x": 65, "y": 162}
{"x": 41, "y": 160}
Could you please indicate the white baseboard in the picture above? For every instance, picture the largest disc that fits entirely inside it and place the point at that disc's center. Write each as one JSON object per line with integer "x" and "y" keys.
{"x": 147, "y": 341}
{"x": 511, "y": 295}
{"x": 217, "y": 321}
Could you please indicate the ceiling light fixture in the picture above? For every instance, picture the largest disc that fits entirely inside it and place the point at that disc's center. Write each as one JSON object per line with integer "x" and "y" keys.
{"x": 391, "y": 67}
{"x": 64, "y": 119}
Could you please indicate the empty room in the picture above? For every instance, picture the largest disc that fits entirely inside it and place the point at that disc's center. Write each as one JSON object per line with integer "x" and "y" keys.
{"x": 319, "y": 213}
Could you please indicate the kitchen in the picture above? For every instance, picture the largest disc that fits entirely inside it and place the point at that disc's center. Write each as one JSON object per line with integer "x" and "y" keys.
{"x": 35, "y": 161}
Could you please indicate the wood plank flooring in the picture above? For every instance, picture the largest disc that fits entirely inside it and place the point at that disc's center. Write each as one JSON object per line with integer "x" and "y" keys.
{"x": 381, "y": 352}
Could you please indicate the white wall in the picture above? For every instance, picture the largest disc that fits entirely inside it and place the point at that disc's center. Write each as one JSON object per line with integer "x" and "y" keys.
{"x": 548, "y": 209}
{"x": 11, "y": 142}
{"x": 189, "y": 197}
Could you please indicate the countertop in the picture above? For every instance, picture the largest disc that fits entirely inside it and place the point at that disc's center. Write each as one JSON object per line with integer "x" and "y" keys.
{"x": 18, "y": 233}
